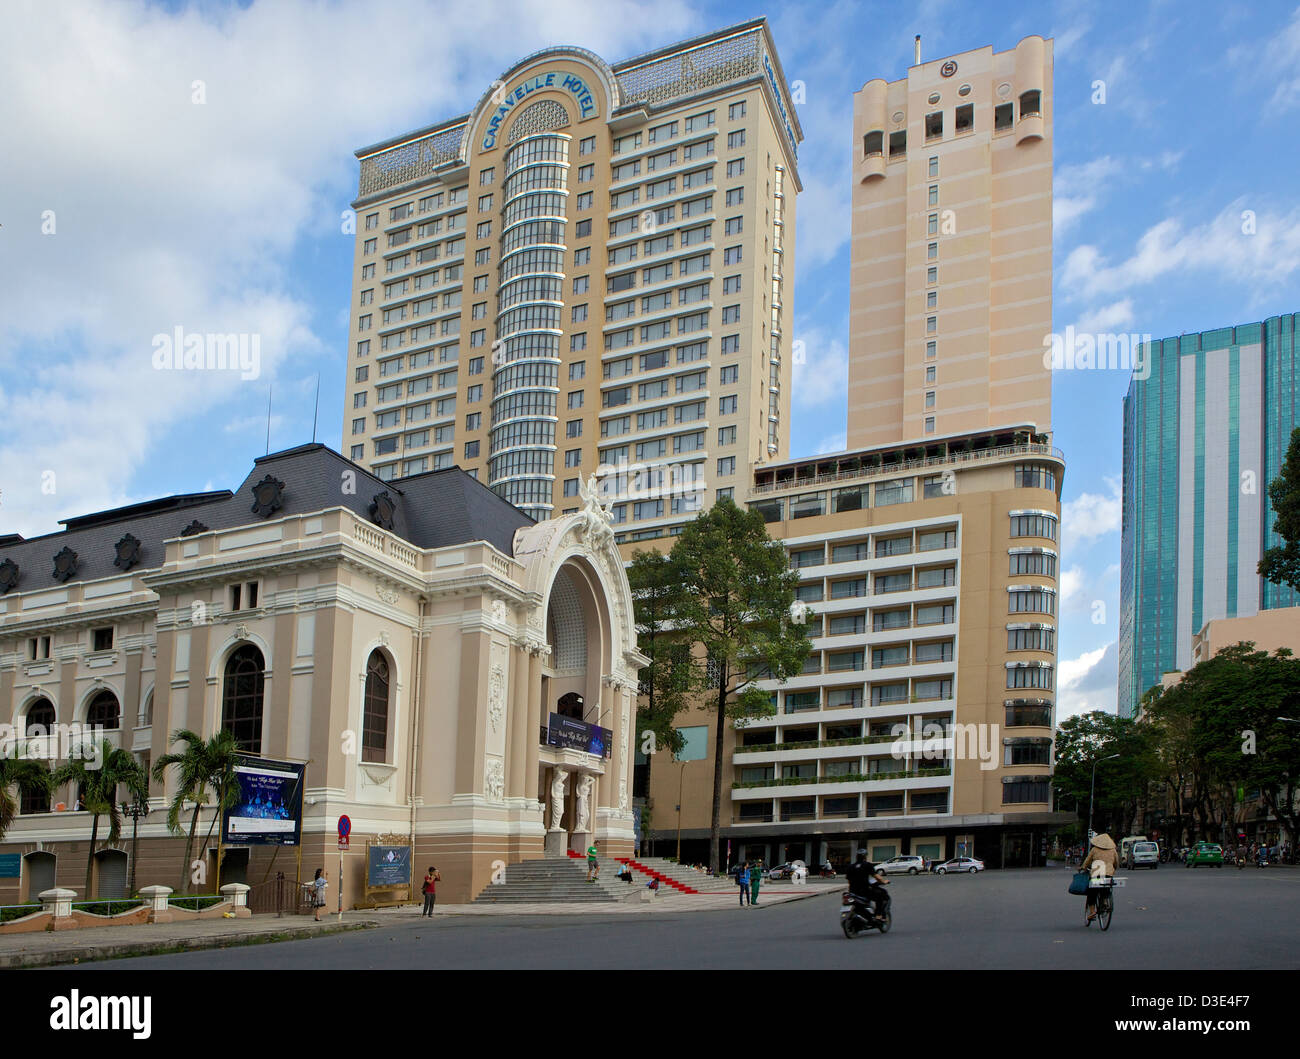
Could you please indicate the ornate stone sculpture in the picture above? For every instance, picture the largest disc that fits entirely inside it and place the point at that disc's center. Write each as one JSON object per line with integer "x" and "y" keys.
{"x": 597, "y": 519}
{"x": 497, "y": 697}
{"x": 496, "y": 782}
{"x": 584, "y": 803}
{"x": 559, "y": 784}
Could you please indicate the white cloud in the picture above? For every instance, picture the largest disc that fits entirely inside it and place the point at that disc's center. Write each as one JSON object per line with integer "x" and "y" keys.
{"x": 1088, "y": 682}
{"x": 831, "y": 443}
{"x": 1244, "y": 245}
{"x": 1273, "y": 62}
{"x": 820, "y": 370}
{"x": 168, "y": 212}
{"x": 1106, "y": 319}
{"x": 1077, "y": 188}
{"x": 1091, "y": 515}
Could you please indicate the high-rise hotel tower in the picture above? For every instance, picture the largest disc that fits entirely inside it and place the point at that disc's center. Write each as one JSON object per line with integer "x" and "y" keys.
{"x": 590, "y": 269}
{"x": 951, "y": 288}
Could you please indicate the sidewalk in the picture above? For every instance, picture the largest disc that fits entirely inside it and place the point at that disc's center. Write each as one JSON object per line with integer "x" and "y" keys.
{"x": 68, "y": 947}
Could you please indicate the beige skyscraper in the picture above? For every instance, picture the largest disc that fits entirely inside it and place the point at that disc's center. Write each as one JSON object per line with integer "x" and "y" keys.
{"x": 951, "y": 289}
{"x": 587, "y": 271}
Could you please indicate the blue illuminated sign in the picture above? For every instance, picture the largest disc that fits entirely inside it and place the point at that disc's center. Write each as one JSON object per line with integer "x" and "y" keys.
{"x": 780, "y": 103}
{"x": 570, "y": 83}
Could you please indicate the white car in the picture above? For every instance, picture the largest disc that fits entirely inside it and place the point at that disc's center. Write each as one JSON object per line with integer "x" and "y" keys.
{"x": 1143, "y": 855}
{"x": 960, "y": 864}
{"x": 910, "y": 864}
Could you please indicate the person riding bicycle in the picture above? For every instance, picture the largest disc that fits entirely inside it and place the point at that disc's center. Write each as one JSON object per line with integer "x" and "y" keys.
{"x": 1101, "y": 862}
{"x": 865, "y": 883}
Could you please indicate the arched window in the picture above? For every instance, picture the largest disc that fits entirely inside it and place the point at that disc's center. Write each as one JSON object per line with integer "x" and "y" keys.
{"x": 242, "y": 696}
{"x": 374, "y": 721}
{"x": 104, "y": 712}
{"x": 40, "y": 718}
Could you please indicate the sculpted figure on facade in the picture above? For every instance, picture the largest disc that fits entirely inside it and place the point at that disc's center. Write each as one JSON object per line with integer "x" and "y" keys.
{"x": 559, "y": 784}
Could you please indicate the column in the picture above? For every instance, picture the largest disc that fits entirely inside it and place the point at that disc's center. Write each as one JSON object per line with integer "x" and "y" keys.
{"x": 517, "y": 720}
{"x": 535, "y": 719}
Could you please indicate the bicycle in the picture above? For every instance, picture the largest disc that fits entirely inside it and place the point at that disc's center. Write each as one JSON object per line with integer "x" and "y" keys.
{"x": 1105, "y": 905}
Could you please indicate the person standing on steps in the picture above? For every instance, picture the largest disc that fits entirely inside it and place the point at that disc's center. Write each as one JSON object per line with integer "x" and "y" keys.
{"x": 431, "y": 880}
{"x": 755, "y": 881}
{"x": 593, "y": 865}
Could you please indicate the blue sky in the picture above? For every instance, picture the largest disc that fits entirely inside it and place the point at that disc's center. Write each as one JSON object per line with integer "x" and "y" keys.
{"x": 128, "y": 209}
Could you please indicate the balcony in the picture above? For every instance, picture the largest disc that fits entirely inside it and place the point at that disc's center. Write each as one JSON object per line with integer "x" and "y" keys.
{"x": 952, "y": 459}
{"x": 878, "y": 777}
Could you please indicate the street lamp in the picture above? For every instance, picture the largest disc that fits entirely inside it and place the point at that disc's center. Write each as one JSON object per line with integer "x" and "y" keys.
{"x": 135, "y": 810}
{"x": 1092, "y": 790}
{"x": 681, "y": 777}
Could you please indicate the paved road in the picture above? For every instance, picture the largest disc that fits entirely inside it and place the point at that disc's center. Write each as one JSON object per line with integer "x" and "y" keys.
{"x": 1176, "y": 918}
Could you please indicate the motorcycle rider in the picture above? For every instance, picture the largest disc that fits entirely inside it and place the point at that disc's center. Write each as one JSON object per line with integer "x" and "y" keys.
{"x": 865, "y": 883}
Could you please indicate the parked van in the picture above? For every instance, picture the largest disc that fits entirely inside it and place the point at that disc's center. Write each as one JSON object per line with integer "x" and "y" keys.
{"x": 1126, "y": 847}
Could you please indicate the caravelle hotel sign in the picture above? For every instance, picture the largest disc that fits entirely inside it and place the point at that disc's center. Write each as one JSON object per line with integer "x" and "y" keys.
{"x": 507, "y": 100}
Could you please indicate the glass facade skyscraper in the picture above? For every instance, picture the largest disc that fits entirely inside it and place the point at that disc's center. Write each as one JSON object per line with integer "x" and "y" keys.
{"x": 1206, "y": 428}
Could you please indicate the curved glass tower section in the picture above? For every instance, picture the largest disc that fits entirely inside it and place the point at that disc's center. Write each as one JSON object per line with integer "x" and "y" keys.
{"x": 530, "y": 306}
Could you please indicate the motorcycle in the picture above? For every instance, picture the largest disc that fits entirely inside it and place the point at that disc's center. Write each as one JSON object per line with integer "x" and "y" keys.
{"x": 857, "y": 916}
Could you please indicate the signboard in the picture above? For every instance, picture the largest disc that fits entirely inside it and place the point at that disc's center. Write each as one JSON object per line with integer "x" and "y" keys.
{"x": 507, "y": 97}
{"x": 268, "y": 810}
{"x": 11, "y": 865}
{"x": 568, "y": 733}
{"x": 388, "y": 866}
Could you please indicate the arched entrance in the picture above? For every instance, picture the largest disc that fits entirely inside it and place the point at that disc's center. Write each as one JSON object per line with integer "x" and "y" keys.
{"x": 38, "y": 874}
{"x": 110, "y": 874}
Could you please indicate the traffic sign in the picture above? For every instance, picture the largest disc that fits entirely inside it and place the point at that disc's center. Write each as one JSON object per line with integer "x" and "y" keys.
{"x": 343, "y": 843}
{"x": 345, "y": 828}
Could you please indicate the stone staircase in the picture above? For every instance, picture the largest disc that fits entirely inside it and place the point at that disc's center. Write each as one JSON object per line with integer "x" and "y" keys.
{"x": 674, "y": 878}
{"x": 557, "y": 880}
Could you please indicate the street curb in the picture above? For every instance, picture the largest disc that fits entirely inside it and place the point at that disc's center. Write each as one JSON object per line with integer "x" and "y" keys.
{"x": 77, "y": 956}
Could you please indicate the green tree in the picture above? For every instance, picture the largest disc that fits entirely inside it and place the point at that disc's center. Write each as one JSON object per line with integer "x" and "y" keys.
{"x": 1281, "y": 564}
{"x": 1122, "y": 781}
{"x": 201, "y": 765}
{"x": 657, "y": 588}
{"x": 737, "y": 612}
{"x": 1236, "y": 698}
{"x": 23, "y": 774}
{"x": 95, "y": 783}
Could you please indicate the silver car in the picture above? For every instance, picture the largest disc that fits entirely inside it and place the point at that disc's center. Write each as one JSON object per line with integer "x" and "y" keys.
{"x": 1143, "y": 855}
{"x": 960, "y": 864}
{"x": 910, "y": 864}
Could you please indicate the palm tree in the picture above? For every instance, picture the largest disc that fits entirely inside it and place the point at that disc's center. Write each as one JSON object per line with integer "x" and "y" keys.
{"x": 222, "y": 753}
{"x": 32, "y": 775}
{"x": 98, "y": 789}
{"x": 202, "y": 764}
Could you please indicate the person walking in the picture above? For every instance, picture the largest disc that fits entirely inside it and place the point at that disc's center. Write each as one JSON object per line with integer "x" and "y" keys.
{"x": 319, "y": 885}
{"x": 593, "y": 865}
{"x": 742, "y": 880}
{"x": 430, "y": 890}
{"x": 755, "y": 881}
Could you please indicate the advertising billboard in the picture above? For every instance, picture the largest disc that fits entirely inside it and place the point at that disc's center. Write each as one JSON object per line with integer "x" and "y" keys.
{"x": 389, "y": 866}
{"x": 568, "y": 733}
{"x": 268, "y": 810}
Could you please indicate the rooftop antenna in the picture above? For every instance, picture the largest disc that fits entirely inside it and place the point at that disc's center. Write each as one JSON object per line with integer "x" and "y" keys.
{"x": 316, "y": 414}
{"x": 268, "y": 417}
